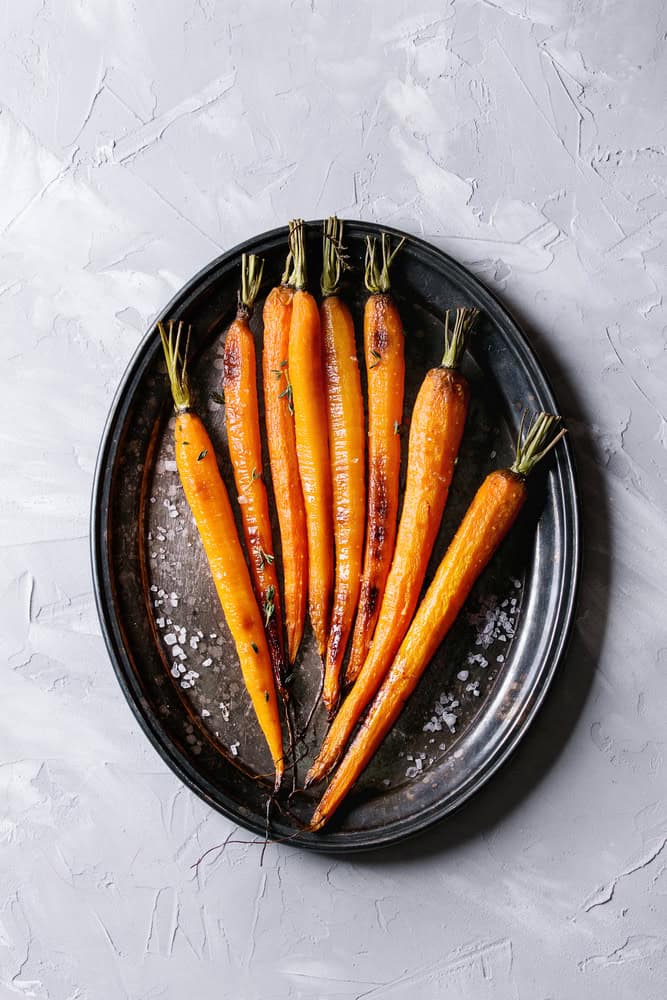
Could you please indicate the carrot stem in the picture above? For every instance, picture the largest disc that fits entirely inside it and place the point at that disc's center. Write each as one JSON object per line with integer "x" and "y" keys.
{"x": 456, "y": 341}
{"x": 377, "y": 272}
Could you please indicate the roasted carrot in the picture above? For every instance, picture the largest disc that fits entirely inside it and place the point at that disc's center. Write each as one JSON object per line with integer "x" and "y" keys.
{"x": 312, "y": 440}
{"x": 345, "y": 410}
{"x": 485, "y": 524}
{"x": 245, "y": 451}
{"x": 385, "y": 366}
{"x": 281, "y": 438}
{"x": 436, "y": 429}
{"x": 212, "y": 512}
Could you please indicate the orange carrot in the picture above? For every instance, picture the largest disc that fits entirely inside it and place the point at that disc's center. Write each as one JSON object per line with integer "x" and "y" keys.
{"x": 485, "y": 524}
{"x": 347, "y": 445}
{"x": 312, "y": 444}
{"x": 385, "y": 365}
{"x": 281, "y": 438}
{"x": 436, "y": 429}
{"x": 245, "y": 451}
{"x": 212, "y": 512}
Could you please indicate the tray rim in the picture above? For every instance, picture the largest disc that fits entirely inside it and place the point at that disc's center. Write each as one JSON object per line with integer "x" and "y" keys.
{"x": 100, "y": 563}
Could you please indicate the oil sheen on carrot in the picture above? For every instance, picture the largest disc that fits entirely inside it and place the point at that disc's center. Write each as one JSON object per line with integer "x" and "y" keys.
{"x": 312, "y": 445}
{"x": 281, "y": 440}
{"x": 385, "y": 367}
{"x": 347, "y": 448}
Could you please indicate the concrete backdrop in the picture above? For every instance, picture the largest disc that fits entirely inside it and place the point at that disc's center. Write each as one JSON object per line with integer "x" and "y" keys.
{"x": 137, "y": 141}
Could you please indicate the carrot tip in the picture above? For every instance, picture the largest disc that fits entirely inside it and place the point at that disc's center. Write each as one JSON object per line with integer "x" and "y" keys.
{"x": 317, "y": 822}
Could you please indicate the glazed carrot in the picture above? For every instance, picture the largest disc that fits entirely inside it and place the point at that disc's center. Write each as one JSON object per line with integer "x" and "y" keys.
{"x": 281, "y": 438}
{"x": 436, "y": 429}
{"x": 212, "y": 512}
{"x": 312, "y": 444}
{"x": 485, "y": 524}
{"x": 245, "y": 451}
{"x": 345, "y": 409}
{"x": 385, "y": 365}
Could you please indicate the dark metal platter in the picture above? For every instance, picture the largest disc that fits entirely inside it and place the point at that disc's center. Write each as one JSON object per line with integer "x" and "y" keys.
{"x": 164, "y": 627}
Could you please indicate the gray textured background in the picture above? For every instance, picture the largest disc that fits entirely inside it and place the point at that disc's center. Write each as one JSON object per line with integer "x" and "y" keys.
{"x": 138, "y": 140}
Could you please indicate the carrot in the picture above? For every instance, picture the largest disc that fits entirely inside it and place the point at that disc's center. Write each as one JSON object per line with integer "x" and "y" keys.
{"x": 436, "y": 429}
{"x": 281, "y": 438}
{"x": 245, "y": 451}
{"x": 212, "y": 512}
{"x": 312, "y": 444}
{"x": 385, "y": 365}
{"x": 345, "y": 410}
{"x": 485, "y": 524}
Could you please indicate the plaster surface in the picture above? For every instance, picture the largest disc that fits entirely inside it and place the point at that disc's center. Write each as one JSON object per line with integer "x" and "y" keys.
{"x": 137, "y": 141}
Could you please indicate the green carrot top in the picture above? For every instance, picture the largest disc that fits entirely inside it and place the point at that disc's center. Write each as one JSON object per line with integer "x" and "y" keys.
{"x": 542, "y": 435}
{"x": 377, "y": 274}
{"x": 333, "y": 256}
{"x": 455, "y": 342}
{"x": 177, "y": 366}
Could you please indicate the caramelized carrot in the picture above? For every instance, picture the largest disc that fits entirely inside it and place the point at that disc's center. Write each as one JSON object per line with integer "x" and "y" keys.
{"x": 345, "y": 409}
{"x": 485, "y": 524}
{"x": 212, "y": 512}
{"x": 281, "y": 439}
{"x": 385, "y": 365}
{"x": 312, "y": 444}
{"x": 245, "y": 451}
{"x": 436, "y": 429}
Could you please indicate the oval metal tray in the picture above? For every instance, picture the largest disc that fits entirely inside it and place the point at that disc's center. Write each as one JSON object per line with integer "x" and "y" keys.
{"x": 155, "y": 595}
